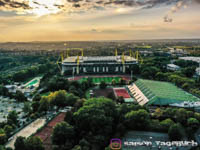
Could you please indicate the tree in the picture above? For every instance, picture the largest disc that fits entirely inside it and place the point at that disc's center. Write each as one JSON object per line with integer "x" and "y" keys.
{"x": 19, "y": 96}
{"x": 169, "y": 112}
{"x": 181, "y": 116}
{"x": 77, "y": 147}
{"x": 12, "y": 118}
{"x": 35, "y": 105}
{"x": 68, "y": 117}
{"x": 137, "y": 119}
{"x": 175, "y": 132}
{"x": 149, "y": 72}
{"x": 90, "y": 82}
{"x": 113, "y": 82}
{"x": 84, "y": 85}
{"x": 57, "y": 83}
{"x": 165, "y": 124}
{"x": 27, "y": 107}
{"x": 189, "y": 71}
{"x": 95, "y": 114}
{"x": 158, "y": 113}
{"x": 2, "y": 147}
{"x": 71, "y": 99}
{"x": 37, "y": 97}
{"x": 58, "y": 98}
{"x": 85, "y": 145}
{"x": 161, "y": 76}
{"x": 63, "y": 134}
{"x": 193, "y": 123}
{"x": 79, "y": 103}
{"x": 34, "y": 143}
{"x": 103, "y": 85}
{"x": 44, "y": 104}
{"x": 8, "y": 129}
{"x": 4, "y": 91}
{"x": 20, "y": 143}
{"x": 3, "y": 137}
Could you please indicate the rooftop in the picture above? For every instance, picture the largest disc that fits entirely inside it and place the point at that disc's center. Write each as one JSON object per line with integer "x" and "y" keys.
{"x": 173, "y": 66}
{"x": 73, "y": 59}
{"x": 196, "y": 59}
{"x": 163, "y": 93}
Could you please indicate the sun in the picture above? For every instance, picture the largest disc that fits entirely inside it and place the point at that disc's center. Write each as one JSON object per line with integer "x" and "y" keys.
{"x": 45, "y": 7}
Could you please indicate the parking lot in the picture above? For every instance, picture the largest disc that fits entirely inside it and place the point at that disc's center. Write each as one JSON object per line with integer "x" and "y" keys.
{"x": 7, "y": 105}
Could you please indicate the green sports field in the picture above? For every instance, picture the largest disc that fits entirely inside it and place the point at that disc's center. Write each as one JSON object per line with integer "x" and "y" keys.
{"x": 100, "y": 79}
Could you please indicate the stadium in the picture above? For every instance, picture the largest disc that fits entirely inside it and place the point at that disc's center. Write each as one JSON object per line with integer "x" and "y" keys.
{"x": 148, "y": 92}
{"x": 98, "y": 64}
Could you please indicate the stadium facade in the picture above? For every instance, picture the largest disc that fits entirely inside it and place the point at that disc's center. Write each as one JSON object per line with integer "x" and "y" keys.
{"x": 148, "y": 92}
{"x": 98, "y": 64}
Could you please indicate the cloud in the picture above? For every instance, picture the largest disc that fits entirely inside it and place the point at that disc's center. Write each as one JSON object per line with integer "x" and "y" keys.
{"x": 167, "y": 19}
{"x": 179, "y": 5}
{"x": 14, "y": 4}
{"x": 70, "y": 6}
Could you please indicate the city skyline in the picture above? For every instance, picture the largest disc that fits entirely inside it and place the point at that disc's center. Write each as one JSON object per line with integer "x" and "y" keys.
{"x": 82, "y": 20}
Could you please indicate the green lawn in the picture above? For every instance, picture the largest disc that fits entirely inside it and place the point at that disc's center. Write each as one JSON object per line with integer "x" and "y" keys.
{"x": 99, "y": 79}
{"x": 33, "y": 82}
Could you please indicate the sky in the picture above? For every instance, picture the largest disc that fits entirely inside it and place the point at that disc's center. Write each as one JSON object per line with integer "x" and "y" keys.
{"x": 90, "y": 20}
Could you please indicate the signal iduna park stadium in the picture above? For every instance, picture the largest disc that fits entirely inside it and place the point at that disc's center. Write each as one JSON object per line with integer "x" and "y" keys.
{"x": 98, "y": 64}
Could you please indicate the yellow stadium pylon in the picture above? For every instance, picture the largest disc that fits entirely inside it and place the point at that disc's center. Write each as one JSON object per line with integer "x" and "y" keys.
{"x": 78, "y": 61}
{"x": 67, "y": 53}
{"x": 137, "y": 55}
{"x": 130, "y": 53}
{"x": 133, "y": 54}
{"x": 82, "y": 52}
{"x": 116, "y": 53}
{"x": 62, "y": 57}
{"x": 123, "y": 59}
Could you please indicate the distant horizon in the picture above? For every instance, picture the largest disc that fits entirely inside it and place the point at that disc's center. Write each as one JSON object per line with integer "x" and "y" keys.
{"x": 100, "y": 40}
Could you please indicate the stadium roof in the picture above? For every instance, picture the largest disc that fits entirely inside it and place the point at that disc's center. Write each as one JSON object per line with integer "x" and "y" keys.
{"x": 161, "y": 93}
{"x": 84, "y": 59}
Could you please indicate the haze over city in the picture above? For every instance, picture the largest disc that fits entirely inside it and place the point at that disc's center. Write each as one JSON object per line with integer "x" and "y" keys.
{"x": 77, "y": 20}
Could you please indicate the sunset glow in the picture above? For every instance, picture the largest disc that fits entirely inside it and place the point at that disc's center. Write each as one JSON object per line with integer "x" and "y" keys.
{"x": 29, "y": 20}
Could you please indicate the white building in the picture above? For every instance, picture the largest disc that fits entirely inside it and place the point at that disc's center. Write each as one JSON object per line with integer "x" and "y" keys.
{"x": 173, "y": 67}
{"x": 195, "y": 59}
{"x": 198, "y": 71}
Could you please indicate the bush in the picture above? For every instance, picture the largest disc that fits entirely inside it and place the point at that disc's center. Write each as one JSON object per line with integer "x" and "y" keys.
{"x": 175, "y": 132}
{"x": 103, "y": 85}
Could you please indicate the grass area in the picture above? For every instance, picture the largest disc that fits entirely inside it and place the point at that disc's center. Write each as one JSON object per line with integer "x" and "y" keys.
{"x": 31, "y": 78}
{"x": 100, "y": 79}
{"x": 33, "y": 82}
